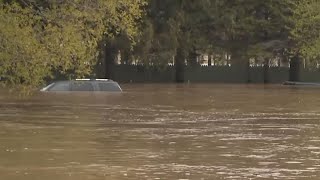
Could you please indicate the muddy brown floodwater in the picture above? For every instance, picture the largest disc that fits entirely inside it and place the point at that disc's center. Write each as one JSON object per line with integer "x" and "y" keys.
{"x": 163, "y": 131}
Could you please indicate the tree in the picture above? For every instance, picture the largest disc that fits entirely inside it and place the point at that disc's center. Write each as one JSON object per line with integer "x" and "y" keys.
{"x": 171, "y": 29}
{"x": 304, "y": 35}
{"x": 244, "y": 29}
{"x": 41, "y": 37}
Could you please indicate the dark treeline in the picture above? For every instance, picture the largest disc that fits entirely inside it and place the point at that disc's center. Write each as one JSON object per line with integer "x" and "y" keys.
{"x": 238, "y": 31}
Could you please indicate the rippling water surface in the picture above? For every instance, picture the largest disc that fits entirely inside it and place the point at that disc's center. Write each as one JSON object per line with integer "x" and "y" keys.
{"x": 163, "y": 132}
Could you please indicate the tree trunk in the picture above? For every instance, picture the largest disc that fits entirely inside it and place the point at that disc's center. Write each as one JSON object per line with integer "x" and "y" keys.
{"x": 210, "y": 60}
{"x": 295, "y": 67}
{"x": 228, "y": 58}
{"x": 192, "y": 59}
{"x": 247, "y": 70}
{"x": 266, "y": 71}
{"x": 238, "y": 59}
{"x": 179, "y": 66}
{"x": 125, "y": 56}
{"x": 109, "y": 58}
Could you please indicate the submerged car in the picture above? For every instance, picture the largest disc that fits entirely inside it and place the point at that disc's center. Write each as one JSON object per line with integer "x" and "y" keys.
{"x": 105, "y": 85}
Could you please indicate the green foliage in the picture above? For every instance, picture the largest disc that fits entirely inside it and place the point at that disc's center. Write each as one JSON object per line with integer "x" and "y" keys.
{"x": 157, "y": 43}
{"x": 305, "y": 34}
{"x": 21, "y": 54}
{"x": 41, "y": 37}
{"x": 249, "y": 27}
{"x": 238, "y": 27}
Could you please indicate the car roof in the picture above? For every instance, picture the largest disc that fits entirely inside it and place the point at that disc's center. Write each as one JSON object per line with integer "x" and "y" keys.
{"x": 94, "y": 81}
{"x": 86, "y": 80}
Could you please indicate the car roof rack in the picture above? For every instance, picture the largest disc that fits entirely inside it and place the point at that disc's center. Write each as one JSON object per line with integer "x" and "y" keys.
{"x": 93, "y": 80}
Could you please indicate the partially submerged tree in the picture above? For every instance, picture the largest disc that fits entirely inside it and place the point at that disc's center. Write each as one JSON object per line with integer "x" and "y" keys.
{"x": 41, "y": 37}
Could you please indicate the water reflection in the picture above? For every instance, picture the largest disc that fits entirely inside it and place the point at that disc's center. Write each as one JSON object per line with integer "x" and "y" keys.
{"x": 163, "y": 132}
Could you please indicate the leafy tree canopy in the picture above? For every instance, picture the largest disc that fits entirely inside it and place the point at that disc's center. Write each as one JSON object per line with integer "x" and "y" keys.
{"x": 40, "y": 37}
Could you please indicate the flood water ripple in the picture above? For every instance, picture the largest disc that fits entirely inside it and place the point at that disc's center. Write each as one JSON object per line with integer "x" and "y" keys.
{"x": 163, "y": 132}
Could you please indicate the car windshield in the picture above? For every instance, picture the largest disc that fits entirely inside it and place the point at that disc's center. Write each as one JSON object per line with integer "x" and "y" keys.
{"x": 60, "y": 86}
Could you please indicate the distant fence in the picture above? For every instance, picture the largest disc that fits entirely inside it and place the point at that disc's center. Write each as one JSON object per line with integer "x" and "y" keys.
{"x": 139, "y": 73}
{"x": 208, "y": 74}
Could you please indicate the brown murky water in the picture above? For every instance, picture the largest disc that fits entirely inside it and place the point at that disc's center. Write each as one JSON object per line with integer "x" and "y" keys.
{"x": 163, "y": 132}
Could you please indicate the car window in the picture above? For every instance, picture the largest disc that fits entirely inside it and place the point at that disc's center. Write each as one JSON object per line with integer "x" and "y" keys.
{"x": 82, "y": 86}
{"x": 60, "y": 86}
{"x": 109, "y": 86}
